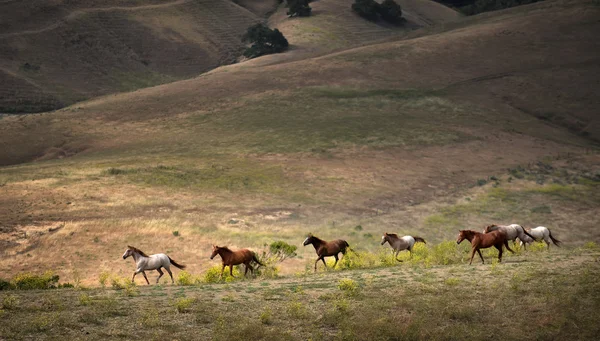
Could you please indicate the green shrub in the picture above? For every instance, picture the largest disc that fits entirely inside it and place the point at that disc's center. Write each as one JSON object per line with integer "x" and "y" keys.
{"x": 212, "y": 275}
{"x": 176, "y": 233}
{"x": 368, "y": 9}
{"x": 266, "y": 316}
{"x": 5, "y": 285}
{"x": 184, "y": 304}
{"x": 10, "y": 302}
{"x": 103, "y": 278}
{"x": 264, "y": 41}
{"x": 298, "y": 8}
{"x": 390, "y": 11}
{"x": 28, "y": 281}
{"x": 84, "y": 300}
{"x": 348, "y": 286}
{"x": 185, "y": 278}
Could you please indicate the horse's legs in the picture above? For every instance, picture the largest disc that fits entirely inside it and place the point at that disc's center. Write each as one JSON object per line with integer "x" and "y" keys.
{"x": 396, "y": 256}
{"x": 231, "y": 270}
{"x": 133, "y": 278}
{"x": 146, "y": 277}
{"x": 246, "y": 270}
{"x": 222, "y": 269}
{"x": 160, "y": 274}
{"x": 480, "y": 256}
{"x": 508, "y": 248}
{"x": 472, "y": 255}
{"x": 336, "y": 260}
{"x": 249, "y": 266}
{"x": 499, "y": 247}
{"x": 547, "y": 243}
{"x": 170, "y": 274}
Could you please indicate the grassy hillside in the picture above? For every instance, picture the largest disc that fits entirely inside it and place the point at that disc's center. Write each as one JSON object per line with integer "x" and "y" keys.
{"x": 409, "y": 136}
{"x": 56, "y": 53}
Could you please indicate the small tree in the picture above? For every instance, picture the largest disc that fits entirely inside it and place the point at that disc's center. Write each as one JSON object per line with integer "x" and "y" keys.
{"x": 264, "y": 41}
{"x": 298, "y": 8}
{"x": 390, "y": 11}
{"x": 367, "y": 9}
{"x": 278, "y": 252}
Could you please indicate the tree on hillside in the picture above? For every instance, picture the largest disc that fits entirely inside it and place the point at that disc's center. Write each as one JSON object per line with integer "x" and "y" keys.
{"x": 367, "y": 9}
{"x": 264, "y": 41}
{"x": 390, "y": 11}
{"x": 298, "y": 8}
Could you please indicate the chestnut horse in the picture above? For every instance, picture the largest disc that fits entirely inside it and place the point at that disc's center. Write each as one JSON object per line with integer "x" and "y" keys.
{"x": 327, "y": 249}
{"x": 484, "y": 240}
{"x": 512, "y": 231}
{"x": 400, "y": 243}
{"x": 152, "y": 262}
{"x": 231, "y": 258}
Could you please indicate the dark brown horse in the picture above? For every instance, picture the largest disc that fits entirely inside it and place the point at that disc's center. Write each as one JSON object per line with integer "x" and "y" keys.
{"x": 231, "y": 258}
{"x": 327, "y": 249}
{"x": 484, "y": 240}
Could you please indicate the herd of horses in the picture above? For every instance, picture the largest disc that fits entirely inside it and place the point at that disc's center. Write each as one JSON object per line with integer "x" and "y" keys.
{"x": 497, "y": 236}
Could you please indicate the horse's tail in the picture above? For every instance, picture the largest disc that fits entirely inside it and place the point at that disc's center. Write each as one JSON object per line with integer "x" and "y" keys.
{"x": 527, "y": 233}
{"x": 254, "y": 258}
{"x": 554, "y": 240}
{"x": 181, "y": 266}
{"x": 419, "y": 239}
{"x": 346, "y": 246}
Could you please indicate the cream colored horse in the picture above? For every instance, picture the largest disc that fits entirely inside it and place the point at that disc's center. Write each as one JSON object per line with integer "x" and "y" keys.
{"x": 540, "y": 233}
{"x": 153, "y": 262}
{"x": 400, "y": 243}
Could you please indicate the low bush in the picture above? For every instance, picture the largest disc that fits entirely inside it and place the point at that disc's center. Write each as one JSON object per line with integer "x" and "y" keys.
{"x": 183, "y": 304}
{"x": 348, "y": 286}
{"x": 185, "y": 278}
{"x": 29, "y": 281}
{"x": 213, "y": 275}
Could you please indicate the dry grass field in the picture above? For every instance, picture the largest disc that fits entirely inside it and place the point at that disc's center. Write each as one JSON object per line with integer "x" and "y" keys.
{"x": 445, "y": 124}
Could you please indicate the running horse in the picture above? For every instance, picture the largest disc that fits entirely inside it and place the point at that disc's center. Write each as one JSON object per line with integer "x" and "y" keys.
{"x": 512, "y": 231}
{"x": 540, "y": 233}
{"x": 327, "y": 249}
{"x": 231, "y": 258}
{"x": 153, "y": 262}
{"x": 484, "y": 240}
{"x": 400, "y": 243}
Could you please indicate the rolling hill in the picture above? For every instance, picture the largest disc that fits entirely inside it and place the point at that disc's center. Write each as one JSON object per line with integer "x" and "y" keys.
{"x": 466, "y": 122}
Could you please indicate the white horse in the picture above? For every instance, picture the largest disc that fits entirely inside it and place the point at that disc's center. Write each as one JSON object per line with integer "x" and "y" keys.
{"x": 400, "y": 243}
{"x": 152, "y": 262}
{"x": 512, "y": 231}
{"x": 539, "y": 233}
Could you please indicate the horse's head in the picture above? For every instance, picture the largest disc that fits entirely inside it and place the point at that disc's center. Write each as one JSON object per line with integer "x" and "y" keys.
{"x": 385, "y": 238}
{"x": 215, "y": 251}
{"x": 490, "y": 228}
{"x": 309, "y": 239}
{"x": 128, "y": 252}
{"x": 462, "y": 235}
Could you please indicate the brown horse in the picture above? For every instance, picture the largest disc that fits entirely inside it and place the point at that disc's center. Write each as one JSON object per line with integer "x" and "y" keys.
{"x": 327, "y": 249}
{"x": 484, "y": 240}
{"x": 231, "y": 258}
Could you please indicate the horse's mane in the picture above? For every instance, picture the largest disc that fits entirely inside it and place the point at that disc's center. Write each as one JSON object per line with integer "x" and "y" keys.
{"x": 138, "y": 251}
{"x": 393, "y": 235}
{"x": 224, "y": 248}
{"x": 316, "y": 238}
